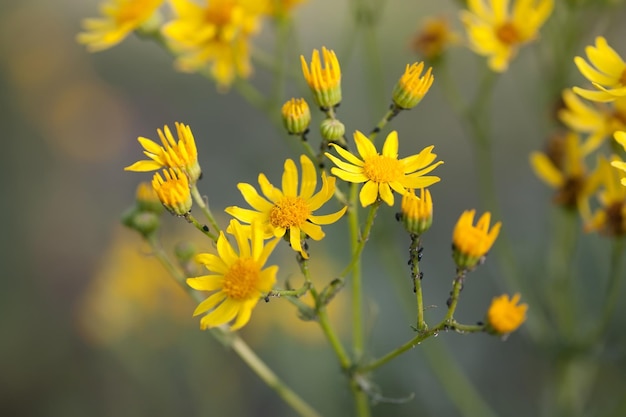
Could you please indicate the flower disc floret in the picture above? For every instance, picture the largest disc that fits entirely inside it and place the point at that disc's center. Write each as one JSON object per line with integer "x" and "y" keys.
{"x": 472, "y": 242}
{"x": 238, "y": 278}
{"x": 289, "y": 210}
{"x": 505, "y": 315}
{"x": 182, "y": 154}
{"x": 606, "y": 70}
{"x": 383, "y": 173}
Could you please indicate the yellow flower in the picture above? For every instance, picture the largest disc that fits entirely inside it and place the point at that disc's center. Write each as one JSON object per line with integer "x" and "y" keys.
{"x": 505, "y": 315}
{"x": 434, "y": 38}
{"x": 568, "y": 176}
{"x": 237, "y": 278}
{"x": 608, "y": 76}
{"x": 620, "y": 137}
{"x": 182, "y": 154}
{"x": 120, "y": 18}
{"x": 417, "y": 212}
{"x": 384, "y": 172}
{"x": 286, "y": 210}
{"x": 498, "y": 34}
{"x": 599, "y": 121}
{"x": 471, "y": 243}
{"x": 610, "y": 218}
{"x": 214, "y": 36}
{"x": 296, "y": 116}
{"x": 173, "y": 191}
{"x": 324, "y": 80}
{"x": 412, "y": 86}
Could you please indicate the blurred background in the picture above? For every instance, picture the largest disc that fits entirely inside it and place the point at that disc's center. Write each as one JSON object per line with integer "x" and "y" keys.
{"x": 92, "y": 325}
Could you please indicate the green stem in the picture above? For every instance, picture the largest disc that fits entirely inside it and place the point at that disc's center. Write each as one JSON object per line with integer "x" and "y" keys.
{"x": 204, "y": 207}
{"x": 204, "y": 229}
{"x": 616, "y": 276}
{"x": 358, "y": 240}
{"x": 388, "y": 117}
{"x": 454, "y": 295}
{"x": 233, "y": 341}
{"x": 414, "y": 259}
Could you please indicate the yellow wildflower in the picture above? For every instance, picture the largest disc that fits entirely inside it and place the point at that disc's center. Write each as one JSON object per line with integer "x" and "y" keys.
{"x": 568, "y": 176}
{"x": 417, "y": 212}
{"x": 498, "y": 34}
{"x": 182, "y": 154}
{"x": 471, "y": 243}
{"x": 120, "y": 18}
{"x": 599, "y": 121}
{"x": 324, "y": 80}
{"x": 412, "y": 86}
{"x": 505, "y": 315}
{"x": 173, "y": 191}
{"x": 287, "y": 210}
{"x": 606, "y": 70}
{"x": 434, "y": 38}
{"x": 237, "y": 278}
{"x": 610, "y": 218}
{"x": 214, "y": 36}
{"x": 384, "y": 172}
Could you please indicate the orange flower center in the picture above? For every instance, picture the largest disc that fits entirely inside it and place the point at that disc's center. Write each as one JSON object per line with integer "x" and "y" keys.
{"x": 508, "y": 34}
{"x": 622, "y": 79}
{"x": 241, "y": 280}
{"x": 220, "y": 13}
{"x": 289, "y": 211}
{"x": 382, "y": 168}
{"x": 131, "y": 12}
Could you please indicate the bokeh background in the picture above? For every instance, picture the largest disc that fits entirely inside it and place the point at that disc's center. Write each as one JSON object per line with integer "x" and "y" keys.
{"x": 90, "y": 323}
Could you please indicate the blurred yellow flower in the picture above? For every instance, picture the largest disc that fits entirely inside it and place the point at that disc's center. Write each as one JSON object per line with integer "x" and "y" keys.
{"x": 384, "y": 172}
{"x": 182, "y": 154}
{"x": 280, "y": 7}
{"x": 568, "y": 176}
{"x": 173, "y": 191}
{"x": 505, "y": 315}
{"x": 324, "y": 80}
{"x": 599, "y": 121}
{"x": 412, "y": 86}
{"x": 434, "y": 38}
{"x": 470, "y": 243}
{"x": 610, "y": 218}
{"x": 495, "y": 33}
{"x": 120, "y": 18}
{"x": 215, "y": 36}
{"x": 606, "y": 70}
{"x": 289, "y": 211}
{"x": 237, "y": 278}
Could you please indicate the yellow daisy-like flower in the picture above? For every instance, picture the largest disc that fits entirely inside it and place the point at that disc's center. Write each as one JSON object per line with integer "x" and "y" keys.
{"x": 173, "y": 191}
{"x": 288, "y": 210}
{"x": 606, "y": 70}
{"x": 120, "y": 18}
{"x": 498, "y": 34}
{"x": 182, "y": 154}
{"x": 214, "y": 36}
{"x": 599, "y": 121}
{"x": 505, "y": 314}
{"x": 434, "y": 38}
{"x": 471, "y": 243}
{"x": 384, "y": 172}
{"x": 417, "y": 212}
{"x": 238, "y": 278}
{"x": 569, "y": 176}
{"x": 412, "y": 86}
{"x": 324, "y": 80}
{"x": 610, "y": 218}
